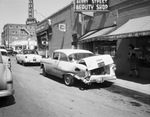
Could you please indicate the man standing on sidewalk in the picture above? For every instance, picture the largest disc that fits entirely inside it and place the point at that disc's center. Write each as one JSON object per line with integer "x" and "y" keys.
{"x": 133, "y": 61}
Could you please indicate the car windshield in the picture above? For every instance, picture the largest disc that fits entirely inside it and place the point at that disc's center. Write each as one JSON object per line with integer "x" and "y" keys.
{"x": 3, "y": 53}
{"x": 30, "y": 52}
{"x": 78, "y": 56}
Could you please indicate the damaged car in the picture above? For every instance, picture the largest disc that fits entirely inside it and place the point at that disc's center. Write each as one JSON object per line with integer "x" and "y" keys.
{"x": 78, "y": 64}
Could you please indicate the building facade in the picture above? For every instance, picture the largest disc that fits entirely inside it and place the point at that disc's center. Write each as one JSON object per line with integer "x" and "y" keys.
{"x": 17, "y": 36}
{"x": 56, "y": 30}
{"x": 101, "y": 32}
{"x": 132, "y": 20}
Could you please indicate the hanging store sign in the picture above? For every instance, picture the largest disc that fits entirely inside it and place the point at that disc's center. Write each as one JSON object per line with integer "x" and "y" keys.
{"x": 91, "y": 5}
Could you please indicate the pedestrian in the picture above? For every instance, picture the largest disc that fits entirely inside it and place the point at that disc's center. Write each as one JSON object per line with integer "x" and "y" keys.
{"x": 96, "y": 51}
{"x": 133, "y": 61}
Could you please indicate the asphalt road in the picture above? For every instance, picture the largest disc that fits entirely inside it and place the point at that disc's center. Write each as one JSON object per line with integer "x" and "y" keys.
{"x": 39, "y": 96}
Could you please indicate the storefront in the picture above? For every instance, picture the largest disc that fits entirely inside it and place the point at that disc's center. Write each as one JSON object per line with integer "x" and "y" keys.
{"x": 96, "y": 42}
{"x": 44, "y": 32}
{"x": 136, "y": 32}
{"x": 18, "y": 45}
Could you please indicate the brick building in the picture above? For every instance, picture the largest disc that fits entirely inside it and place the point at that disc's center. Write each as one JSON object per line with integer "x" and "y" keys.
{"x": 52, "y": 32}
{"x": 13, "y": 34}
{"x": 107, "y": 32}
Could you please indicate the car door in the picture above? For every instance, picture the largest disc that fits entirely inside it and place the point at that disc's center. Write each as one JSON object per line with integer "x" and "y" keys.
{"x": 21, "y": 56}
{"x": 60, "y": 64}
{"x": 52, "y": 64}
{"x": 18, "y": 56}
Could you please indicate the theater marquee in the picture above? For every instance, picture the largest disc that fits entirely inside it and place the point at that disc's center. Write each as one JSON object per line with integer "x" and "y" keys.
{"x": 91, "y": 5}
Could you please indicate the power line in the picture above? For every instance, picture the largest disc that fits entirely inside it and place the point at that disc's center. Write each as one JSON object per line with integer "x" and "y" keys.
{"x": 40, "y": 15}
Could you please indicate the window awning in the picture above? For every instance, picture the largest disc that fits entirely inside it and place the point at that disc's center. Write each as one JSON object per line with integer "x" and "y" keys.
{"x": 97, "y": 35}
{"x": 133, "y": 28}
{"x": 87, "y": 34}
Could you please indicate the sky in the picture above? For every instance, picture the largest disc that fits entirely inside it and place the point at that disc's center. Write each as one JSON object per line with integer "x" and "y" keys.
{"x": 16, "y": 11}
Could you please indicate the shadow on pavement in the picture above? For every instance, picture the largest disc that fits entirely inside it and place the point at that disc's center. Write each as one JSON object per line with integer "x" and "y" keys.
{"x": 7, "y": 101}
{"x": 80, "y": 84}
{"x": 134, "y": 79}
{"x": 32, "y": 64}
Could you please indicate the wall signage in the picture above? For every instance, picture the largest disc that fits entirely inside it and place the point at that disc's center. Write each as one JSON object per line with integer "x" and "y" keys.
{"x": 42, "y": 27}
{"x": 62, "y": 27}
{"x": 91, "y": 5}
{"x": 30, "y": 9}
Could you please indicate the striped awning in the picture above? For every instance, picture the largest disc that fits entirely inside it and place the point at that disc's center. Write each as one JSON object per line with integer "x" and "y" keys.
{"x": 97, "y": 35}
{"x": 133, "y": 28}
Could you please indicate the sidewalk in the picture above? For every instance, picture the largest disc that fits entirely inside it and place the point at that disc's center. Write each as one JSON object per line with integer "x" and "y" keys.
{"x": 136, "y": 84}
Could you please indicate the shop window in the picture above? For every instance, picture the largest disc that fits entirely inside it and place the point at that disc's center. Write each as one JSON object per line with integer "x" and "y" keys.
{"x": 10, "y": 27}
{"x": 107, "y": 47}
{"x": 142, "y": 50}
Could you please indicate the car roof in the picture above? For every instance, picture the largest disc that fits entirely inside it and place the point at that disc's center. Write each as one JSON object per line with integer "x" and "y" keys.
{"x": 71, "y": 51}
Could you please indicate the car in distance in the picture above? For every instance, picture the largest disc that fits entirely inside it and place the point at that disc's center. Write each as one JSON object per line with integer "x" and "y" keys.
{"x": 6, "y": 79}
{"x": 28, "y": 56}
{"x": 71, "y": 64}
{"x": 5, "y": 57}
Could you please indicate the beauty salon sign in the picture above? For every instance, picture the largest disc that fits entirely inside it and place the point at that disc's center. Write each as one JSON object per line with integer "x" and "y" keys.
{"x": 91, "y": 5}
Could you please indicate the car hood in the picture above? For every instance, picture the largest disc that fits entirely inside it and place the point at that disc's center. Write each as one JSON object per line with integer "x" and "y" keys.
{"x": 98, "y": 61}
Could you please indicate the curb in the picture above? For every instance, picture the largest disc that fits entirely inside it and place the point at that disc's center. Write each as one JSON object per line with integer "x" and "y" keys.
{"x": 142, "y": 88}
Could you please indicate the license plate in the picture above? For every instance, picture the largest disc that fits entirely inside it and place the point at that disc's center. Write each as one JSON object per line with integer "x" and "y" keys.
{"x": 34, "y": 59}
{"x": 101, "y": 64}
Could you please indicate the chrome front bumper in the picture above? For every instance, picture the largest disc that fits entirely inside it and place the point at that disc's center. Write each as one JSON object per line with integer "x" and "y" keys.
{"x": 4, "y": 93}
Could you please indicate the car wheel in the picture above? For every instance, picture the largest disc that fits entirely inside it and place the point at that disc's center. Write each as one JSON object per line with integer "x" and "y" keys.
{"x": 68, "y": 79}
{"x": 44, "y": 72}
{"x": 17, "y": 61}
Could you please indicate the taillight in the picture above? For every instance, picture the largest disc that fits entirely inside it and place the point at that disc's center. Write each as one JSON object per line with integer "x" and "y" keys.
{"x": 114, "y": 67}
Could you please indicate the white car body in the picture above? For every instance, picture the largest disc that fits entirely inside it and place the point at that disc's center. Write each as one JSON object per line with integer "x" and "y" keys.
{"x": 6, "y": 80}
{"x": 86, "y": 67}
{"x": 5, "y": 57}
{"x": 28, "y": 56}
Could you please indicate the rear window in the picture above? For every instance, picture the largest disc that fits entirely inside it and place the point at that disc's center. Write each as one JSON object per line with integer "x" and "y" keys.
{"x": 30, "y": 52}
{"x": 78, "y": 56}
{"x": 4, "y": 53}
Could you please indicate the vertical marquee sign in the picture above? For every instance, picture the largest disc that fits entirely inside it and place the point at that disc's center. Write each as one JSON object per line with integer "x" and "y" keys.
{"x": 31, "y": 19}
{"x": 30, "y": 9}
{"x": 91, "y": 5}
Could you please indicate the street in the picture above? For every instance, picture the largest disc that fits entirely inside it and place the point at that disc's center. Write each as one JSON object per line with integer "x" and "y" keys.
{"x": 39, "y": 96}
